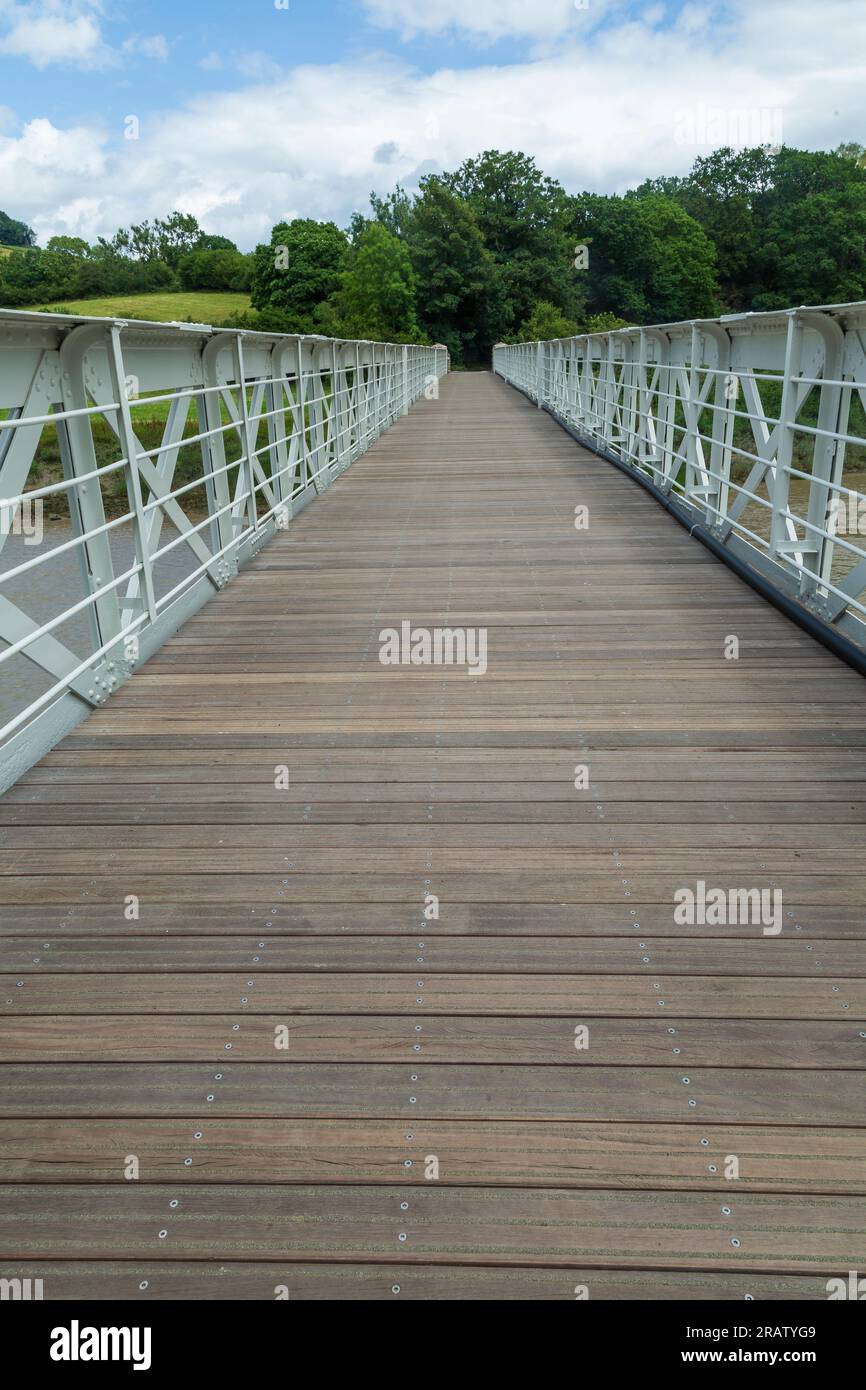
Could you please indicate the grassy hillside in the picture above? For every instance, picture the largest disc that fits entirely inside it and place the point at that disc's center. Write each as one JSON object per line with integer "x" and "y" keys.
{"x": 201, "y": 306}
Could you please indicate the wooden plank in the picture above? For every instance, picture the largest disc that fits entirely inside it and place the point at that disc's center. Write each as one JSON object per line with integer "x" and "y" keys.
{"x": 639, "y": 954}
{"x": 566, "y": 996}
{"x": 698, "y": 1096}
{"x": 559, "y": 1227}
{"x": 753, "y": 1043}
{"x": 84, "y": 918}
{"x": 505, "y": 1154}
{"x": 151, "y": 1281}
{"x": 817, "y": 890}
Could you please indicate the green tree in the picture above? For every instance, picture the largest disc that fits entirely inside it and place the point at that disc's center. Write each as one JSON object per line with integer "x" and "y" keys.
{"x": 378, "y": 291}
{"x": 301, "y": 266}
{"x": 164, "y": 239}
{"x": 208, "y": 242}
{"x": 394, "y": 211}
{"x": 722, "y": 193}
{"x": 602, "y": 323}
{"x": 69, "y": 246}
{"x": 545, "y": 322}
{"x": 215, "y": 270}
{"x": 851, "y": 149}
{"x": 524, "y": 220}
{"x": 811, "y": 232}
{"x": 649, "y": 261}
{"x": 13, "y": 233}
{"x": 458, "y": 291}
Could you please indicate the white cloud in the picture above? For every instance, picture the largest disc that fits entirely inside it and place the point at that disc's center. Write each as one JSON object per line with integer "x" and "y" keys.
{"x": 602, "y": 115}
{"x": 148, "y": 45}
{"x": 54, "y": 32}
{"x": 69, "y": 32}
{"x": 211, "y": 62}
{"x": 483, "y": 19}
{"x": 54, "y": 161}
{"x": 257, "y": 66}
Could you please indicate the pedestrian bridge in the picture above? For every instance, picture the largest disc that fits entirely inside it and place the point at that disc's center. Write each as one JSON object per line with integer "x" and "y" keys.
{"x": 454, "y": 888}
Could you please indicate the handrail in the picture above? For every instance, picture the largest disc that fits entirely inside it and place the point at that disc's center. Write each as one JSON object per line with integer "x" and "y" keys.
{"x": 751, "y": 427}
{"x": 258, "y": 424}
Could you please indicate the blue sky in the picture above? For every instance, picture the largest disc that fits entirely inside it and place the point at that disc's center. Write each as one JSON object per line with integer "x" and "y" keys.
{"x": 249, "y": 112}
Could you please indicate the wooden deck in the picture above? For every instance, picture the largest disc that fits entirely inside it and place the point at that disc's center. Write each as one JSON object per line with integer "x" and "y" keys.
{"x": 263, "y": 909}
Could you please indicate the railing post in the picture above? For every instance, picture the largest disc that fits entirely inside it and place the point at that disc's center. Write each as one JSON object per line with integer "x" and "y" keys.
{"x": 86, "y": 498}
{"x": 828, "y": 454}
{"x": 247, "y": 457}
{"x": 126, "y": 435}
{"x": 780, "y": 530}
{"x": 301, "y": 405}
{"x": 214, "y": 457}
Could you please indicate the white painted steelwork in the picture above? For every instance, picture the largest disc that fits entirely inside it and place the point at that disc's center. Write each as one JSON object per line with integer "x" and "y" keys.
{"x": 749, "y": 423}
{"x": 271, "y": 419}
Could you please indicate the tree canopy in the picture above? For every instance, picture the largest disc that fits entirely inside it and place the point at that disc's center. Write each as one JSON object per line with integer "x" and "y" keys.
{"x": 497, "y": 249}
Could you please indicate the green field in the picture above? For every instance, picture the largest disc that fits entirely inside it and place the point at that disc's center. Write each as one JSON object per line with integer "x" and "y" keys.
{"x": 200, "y": 306}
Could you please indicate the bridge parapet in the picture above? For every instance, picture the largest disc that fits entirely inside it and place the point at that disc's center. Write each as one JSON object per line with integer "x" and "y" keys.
{"x": 750, "y": 427}
{"x": 141, "y": 465}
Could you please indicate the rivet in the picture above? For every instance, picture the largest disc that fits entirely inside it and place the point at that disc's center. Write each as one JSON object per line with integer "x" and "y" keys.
{"x": 726, "y": 1211}
{"x": 735, "y": 1242}
{"x": 163, "y": 1234}
{"x": 413, "y": 1100}
{"x": 402, "y": 1235}
{"x": 143, "y": 1284}
{"x": 395, "y": 1288}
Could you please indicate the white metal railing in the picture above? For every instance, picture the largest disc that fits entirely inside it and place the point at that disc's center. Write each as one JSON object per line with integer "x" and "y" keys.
{"x": 156, "y": 459}
{"x": 753, "y": 425}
